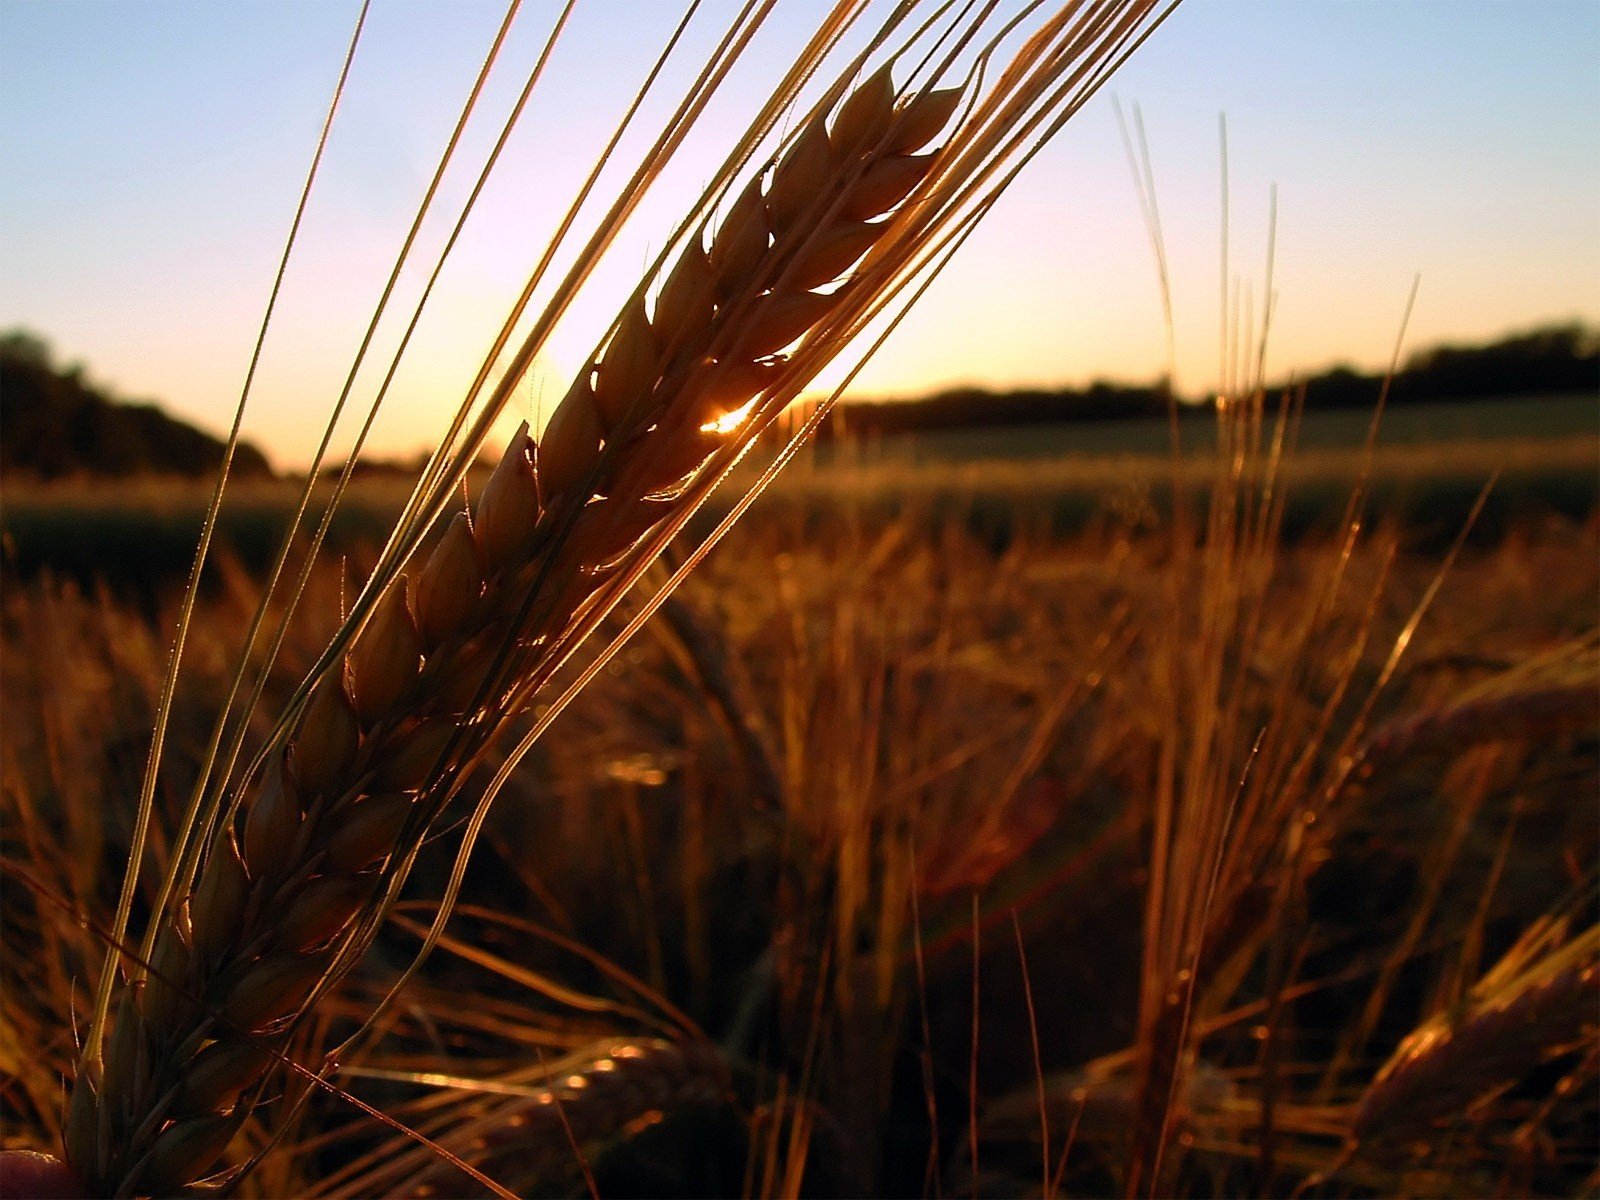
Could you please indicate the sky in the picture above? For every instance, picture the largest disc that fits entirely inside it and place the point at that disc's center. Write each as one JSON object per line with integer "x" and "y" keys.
{"x": 154, "y": 151}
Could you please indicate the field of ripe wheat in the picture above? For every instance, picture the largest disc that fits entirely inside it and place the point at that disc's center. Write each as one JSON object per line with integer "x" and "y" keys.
{"x": 627, "y": 816}
{"x": 840, "y": 879}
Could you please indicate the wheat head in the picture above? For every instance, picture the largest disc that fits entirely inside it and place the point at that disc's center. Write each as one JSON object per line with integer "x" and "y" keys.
{"x": 299, "y": 866}
{"x": 1538, "y": 1000}
{"x": 261, "y": 932}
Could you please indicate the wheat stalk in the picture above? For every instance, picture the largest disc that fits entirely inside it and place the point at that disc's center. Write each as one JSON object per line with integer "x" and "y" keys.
{"x": 301, "y": 864}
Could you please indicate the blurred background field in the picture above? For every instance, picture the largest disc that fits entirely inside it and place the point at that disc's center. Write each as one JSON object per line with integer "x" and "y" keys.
{"x": 837, "y": 881}
{"x": 1430, "y": 462}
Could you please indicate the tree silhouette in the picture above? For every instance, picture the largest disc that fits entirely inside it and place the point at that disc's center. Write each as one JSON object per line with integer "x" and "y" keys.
{"x": 54, "y": 423}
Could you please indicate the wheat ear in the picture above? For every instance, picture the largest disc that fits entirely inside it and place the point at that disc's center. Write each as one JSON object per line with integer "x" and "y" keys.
{"x": 1518, "y": 1014}
{"x": 286, "y": 886}
{"x": 532, "y": 1127}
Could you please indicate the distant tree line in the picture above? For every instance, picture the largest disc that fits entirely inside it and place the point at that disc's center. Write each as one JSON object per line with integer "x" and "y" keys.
{"x": 1550, "y": 361}
{"x": 55, "y": 424}
{"x": 1563, "y": 359}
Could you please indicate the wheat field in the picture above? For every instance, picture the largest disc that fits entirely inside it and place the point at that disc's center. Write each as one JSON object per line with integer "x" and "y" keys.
{"x": 575, "y": 838}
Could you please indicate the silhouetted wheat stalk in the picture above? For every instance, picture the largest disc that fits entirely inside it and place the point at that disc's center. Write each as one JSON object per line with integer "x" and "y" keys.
{"x": 280, "y": 883}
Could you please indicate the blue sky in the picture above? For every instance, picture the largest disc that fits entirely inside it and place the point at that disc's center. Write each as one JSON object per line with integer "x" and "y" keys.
{"x": 154, "y": 151}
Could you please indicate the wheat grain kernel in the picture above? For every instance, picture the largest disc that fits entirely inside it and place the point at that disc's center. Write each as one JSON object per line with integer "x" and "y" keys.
{"x": 181, "y": 1151}
{"x": 609, "y": 528}
{"x": 386, "y": 660}
{"x": 219, "y": 1073}
{"x": 571, "y": 443}
{"x": 687, "y": 297}
{"x": 83, "y": 1122}
{"x": 450, "y": 585}
{"x": 365, "y": 832}
{"x": 163, "y": 1001}
{"x": 271, "y": 990}
{"x": 508, "y": 510}
{"x": 124, "y": 1051}
{"x": 322, "y": 909}
{"x": 628, "y": 368}
{"x": 741, "y": 242}
{"x": 271, "y": 825}
{"x": 883, "y": 185}
{"x": 865, "y": 116}
{"x": 459, "y": 679}
{"x": 414, "y": 753}
{"x": 921, "y": 120}
{"x": 218, "y": 902}
{"x": 326, "y": 740}
{"x": 804, "y": 171}
{"x": 778, "y": 318}
{"x": 832, "y": 253}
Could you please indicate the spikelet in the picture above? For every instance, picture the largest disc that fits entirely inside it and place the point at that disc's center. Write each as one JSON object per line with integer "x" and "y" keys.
{"x": 571, "y": 445}
{"x": 127, "y": 1051}
{"x": 527, "y": 1139}
{"x": 414, "y": 752}
{"x": 271, "y": 990}
{"x": 218, "y": 903}
{"x": 800, "y": 177}
{"x": 920, "y": 120}
{"x": 865, "y": 116}
{"x": 387, "y": 659}
{"x": 324, "y": 907}
{"x": 688, "y": 297}
{"x": 628, "y": 369}
{"x": 219, "y": 1074}
{"x": 163, "y": 1001}
{"x": 832, "y": 253}
{"x": 450, "y": 585}
{"x": 508, "y": 510}
{"x": 741, "y": 243}
{"x": 326, "y": 740}
{"x": 182, "y": 1151}
{"x": 83, "y": 1123}
{"x": 271, "y": 827}
{"x": 366, "y": 831}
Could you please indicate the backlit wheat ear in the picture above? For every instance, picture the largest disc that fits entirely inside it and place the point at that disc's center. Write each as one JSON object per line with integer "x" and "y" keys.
{"x": 303, "y": 862}
{"x": 275, "y": 893}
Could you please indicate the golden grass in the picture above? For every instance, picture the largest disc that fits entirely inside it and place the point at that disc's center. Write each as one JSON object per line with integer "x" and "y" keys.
{"x": 856, "y": 658}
